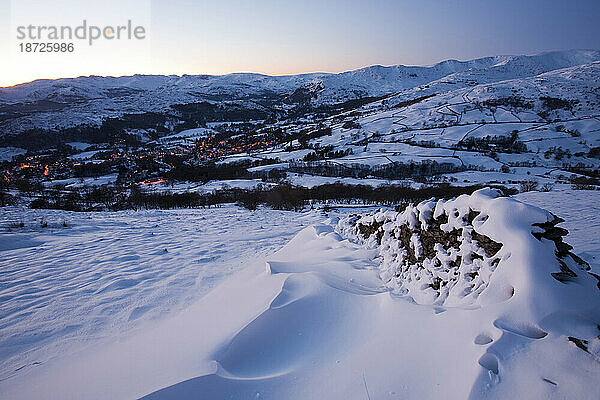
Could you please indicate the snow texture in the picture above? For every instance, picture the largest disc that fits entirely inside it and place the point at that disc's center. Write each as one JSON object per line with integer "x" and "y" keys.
{"x": 316, "y": 319}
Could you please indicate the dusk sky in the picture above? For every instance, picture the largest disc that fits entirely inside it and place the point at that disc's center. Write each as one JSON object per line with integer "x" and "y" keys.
{"x": 288, "y": 37}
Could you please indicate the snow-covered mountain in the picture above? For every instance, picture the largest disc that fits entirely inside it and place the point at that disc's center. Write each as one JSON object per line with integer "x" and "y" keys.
{"x": 88, "y": 100}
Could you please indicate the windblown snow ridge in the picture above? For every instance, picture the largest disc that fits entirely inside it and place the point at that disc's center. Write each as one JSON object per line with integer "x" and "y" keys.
{"x": 473, "y": 251}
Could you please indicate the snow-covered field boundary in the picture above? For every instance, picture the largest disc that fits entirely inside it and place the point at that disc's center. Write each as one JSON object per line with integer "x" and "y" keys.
{"x": 448, "y": 252}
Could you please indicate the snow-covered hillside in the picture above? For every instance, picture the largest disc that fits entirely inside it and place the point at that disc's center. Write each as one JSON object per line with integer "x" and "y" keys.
{"x": 539, "y": 127}
{"x": 454, "y": 118}
{"x": 88, "y": 100}
{"x": 326, "y": 316}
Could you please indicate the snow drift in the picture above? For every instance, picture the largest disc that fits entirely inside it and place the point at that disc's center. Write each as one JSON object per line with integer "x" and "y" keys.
{"x": 499, "y": 307}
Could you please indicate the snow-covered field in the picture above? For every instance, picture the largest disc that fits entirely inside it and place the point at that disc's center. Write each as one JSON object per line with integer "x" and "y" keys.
{"x": 99, "y": 309}
{"x": 581, "y": 210}
{"x": 108, "y": 273}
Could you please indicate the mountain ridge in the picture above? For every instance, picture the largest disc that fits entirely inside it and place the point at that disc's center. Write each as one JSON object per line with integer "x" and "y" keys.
{"x": 505, "y": 57}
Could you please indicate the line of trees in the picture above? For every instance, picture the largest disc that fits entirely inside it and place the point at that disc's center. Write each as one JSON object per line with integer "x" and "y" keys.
{"x": 281, "y": 197}
{"x": 394, "y": 170}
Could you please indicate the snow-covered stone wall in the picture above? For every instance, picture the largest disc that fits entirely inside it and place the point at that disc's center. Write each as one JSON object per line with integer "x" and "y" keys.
{"x": 469, "y": 251}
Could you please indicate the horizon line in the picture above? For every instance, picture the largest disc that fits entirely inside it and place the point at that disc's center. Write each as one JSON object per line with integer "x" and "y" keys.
{"x": 292, "y": 74}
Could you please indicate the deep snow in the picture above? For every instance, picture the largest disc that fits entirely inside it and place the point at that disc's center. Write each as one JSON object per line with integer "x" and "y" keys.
{"x": 105, "y": 274}
{"x": 315, "y": 320}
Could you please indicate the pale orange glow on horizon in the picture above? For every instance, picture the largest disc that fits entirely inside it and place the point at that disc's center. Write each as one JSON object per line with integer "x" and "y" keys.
{"x": 273, "y": 37}
{"x": 21, "y": 78}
